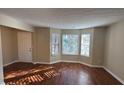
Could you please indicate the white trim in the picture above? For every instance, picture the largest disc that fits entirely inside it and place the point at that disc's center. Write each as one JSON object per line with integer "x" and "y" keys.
{"x": 115, "y": 76}
{"x": 17, "y": 61}
{"x": 96, "y": 66}
{"x": 53, "y": 62}
{"x": 11, "y": 63}
{"x": 41, "y": 63}
{"x": 90, "y": 65}
{"x": 25, "y": 61}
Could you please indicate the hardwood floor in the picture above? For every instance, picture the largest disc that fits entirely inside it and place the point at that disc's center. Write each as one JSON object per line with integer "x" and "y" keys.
{"x": 56, "y": 74}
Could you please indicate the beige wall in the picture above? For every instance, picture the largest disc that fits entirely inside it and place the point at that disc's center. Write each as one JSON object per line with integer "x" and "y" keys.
{"x": 9, "y": 44}
{"x": 98, "y": 45}
{"x": 114, "y": 56}
{"x": 41, "y": 45}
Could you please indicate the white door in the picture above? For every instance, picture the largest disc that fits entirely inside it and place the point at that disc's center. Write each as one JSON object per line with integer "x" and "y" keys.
{"x": 25, "y": 46}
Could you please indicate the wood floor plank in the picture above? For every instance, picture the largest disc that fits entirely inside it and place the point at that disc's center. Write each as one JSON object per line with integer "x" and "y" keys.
{"x": 60, "y": 74}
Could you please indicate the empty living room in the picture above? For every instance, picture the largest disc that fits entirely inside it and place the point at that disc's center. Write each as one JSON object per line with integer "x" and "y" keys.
{"x": 61, "y": 46}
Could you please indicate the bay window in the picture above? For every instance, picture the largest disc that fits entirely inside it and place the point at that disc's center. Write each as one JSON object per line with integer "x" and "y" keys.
{"x": 85, "y": 45}
{"x": 70, "y": 44}
{"x": 55, "y": 44}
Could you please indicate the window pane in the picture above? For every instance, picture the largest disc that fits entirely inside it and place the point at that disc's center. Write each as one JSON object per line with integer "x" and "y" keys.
{"x": 70, "y": 44}
{"x": 85, "y": 45}
{"x": 55, "y": 43}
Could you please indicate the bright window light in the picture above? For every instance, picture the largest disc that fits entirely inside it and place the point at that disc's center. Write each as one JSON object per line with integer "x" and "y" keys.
{"x": 85, "y": 45}
{"x": 55, "y": 44}
{"x": 70, "y": 44}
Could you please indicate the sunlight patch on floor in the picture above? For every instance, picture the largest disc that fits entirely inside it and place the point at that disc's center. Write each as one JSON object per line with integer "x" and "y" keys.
{"x": 38, "y": 76}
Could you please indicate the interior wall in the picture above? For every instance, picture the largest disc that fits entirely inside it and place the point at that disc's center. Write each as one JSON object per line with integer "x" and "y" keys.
{"x": 114, "y": 55}
{"x": 54, "y": 58}
{"x": 98, "y": 46}
{"x": 41, "y": 45}
{"x": 9, "y": 44}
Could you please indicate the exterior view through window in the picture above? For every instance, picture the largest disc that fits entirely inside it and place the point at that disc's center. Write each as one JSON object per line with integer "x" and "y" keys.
{"x": 55, "y": 44}
{"x": 85, "y": 45}
{"x": 70, "y": 44}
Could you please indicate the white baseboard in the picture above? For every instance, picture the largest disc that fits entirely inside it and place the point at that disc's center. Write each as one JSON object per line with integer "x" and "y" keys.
{"x": 17, "y": 61}
{"x": 55, "y": 62}
{"x": 11, "y": 63}
{"x": 41, "y": 63}
{"x": 25, "y": 61}
{"x": 115, "y": 76}
{"x": 52, "y": 62}
{"x": 96, "y": 66}
{"x": 90, "y": 65}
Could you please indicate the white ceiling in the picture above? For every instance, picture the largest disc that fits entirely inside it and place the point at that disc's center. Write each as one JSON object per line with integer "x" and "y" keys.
{"x": 66, "y": 18}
